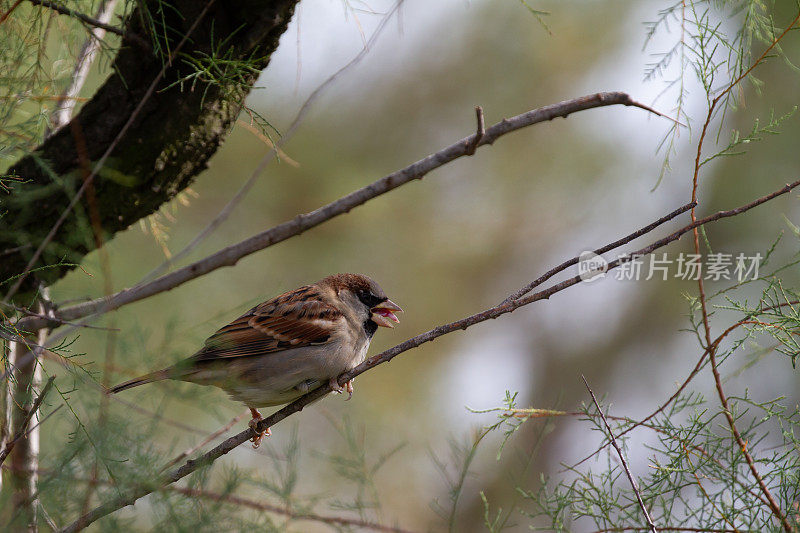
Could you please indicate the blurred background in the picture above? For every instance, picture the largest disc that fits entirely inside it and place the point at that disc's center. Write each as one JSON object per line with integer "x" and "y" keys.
{"x": 455, "y": 243}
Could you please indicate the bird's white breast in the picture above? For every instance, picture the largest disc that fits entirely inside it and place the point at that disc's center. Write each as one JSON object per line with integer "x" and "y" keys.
{"x": 284, "y": 376}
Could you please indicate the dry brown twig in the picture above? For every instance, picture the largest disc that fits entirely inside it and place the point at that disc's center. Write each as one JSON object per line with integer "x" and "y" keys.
{"x": 479, "y": 132}
{"x": 678, "y": 528}
{"x": 711, "y": 349}
{"x": 631, "y": 479}
{"x": 383, "y": 357}
{"x": 682, "y": 386}
{"x": 85, "y": 19}
{"x": 527, "y": 414}
{"x": 600, "y": 251}
{"x": 230, "y": 255}
{"x": 10, "y": 10}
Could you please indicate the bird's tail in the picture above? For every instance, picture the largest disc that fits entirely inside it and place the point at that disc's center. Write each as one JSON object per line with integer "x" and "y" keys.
{"x": 141, "y": 380}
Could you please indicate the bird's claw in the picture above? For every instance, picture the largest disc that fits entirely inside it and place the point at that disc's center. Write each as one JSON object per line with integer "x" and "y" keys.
{"x": 349, "y": 388}
{"x": 333, "y": 383}
{"x": 256, "y": 440}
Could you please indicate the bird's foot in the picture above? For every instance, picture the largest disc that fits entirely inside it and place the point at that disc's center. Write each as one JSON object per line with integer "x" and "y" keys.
{"x": 254, "y": 424}
{"x": 333, "y": 383}
{"x": 349, "y": 388}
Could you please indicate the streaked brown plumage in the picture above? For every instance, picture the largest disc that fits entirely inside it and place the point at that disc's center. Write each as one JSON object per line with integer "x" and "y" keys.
{"x": 289, "y": 345}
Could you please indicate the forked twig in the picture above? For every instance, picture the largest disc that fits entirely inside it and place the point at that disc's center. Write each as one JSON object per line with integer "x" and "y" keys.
{"x": 480, "y": 131}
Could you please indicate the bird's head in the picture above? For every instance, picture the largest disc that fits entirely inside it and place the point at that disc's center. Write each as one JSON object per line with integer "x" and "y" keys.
{"x": 366, "y": 297}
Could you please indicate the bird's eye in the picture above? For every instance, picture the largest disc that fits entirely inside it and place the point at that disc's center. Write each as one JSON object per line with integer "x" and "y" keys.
{"x": 368, "y": 299}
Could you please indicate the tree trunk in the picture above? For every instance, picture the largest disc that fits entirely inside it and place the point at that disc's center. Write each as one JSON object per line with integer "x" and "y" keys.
{"x": 23, "y": 386}
{"x": 169, "y": 142}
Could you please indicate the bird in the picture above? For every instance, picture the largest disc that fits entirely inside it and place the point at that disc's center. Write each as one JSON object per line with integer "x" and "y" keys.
{"x": 289, "y": 345}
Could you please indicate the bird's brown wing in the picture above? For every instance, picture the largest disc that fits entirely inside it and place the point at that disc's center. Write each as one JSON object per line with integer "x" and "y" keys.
{"x": 297, "y": 318}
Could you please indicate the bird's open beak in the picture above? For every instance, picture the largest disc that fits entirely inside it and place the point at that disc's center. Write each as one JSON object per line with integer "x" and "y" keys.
{"x": 383, "y": 314}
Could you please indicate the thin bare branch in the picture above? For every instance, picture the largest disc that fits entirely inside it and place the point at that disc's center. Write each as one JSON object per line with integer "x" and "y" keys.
{"x": 776, "y": 510}
{"x": 632, "y": 481}
{"x": 479, "y": 132}
{"x": 10, "y": 10}
{"x": 232, "y": 254}
{"x": 9, "y": 251}
{"x": 712, "y": 107}
{"x": 27, "y": 312}
{"x": 684, "y": 383}
{"x": 600, "y": 251}
{"x": 383, "y": 357}
{"x": 668, "y": 528}
{"x": 86, "y": 19}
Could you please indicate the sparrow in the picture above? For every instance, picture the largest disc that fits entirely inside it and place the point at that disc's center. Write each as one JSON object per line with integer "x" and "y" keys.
{"x": 289, "y": 345}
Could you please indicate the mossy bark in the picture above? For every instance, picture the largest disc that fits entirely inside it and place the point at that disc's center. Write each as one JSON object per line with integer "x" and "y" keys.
{"x": 167, "y": 145}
